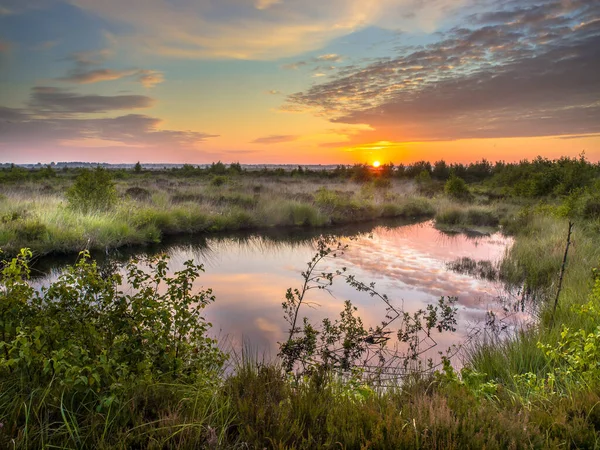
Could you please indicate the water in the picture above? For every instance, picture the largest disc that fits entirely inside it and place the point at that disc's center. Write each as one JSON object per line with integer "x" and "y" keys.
{"x": 249, "y": 274}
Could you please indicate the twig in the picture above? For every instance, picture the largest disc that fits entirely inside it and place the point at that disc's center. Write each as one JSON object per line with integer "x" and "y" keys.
{"x": 562, "y": 273}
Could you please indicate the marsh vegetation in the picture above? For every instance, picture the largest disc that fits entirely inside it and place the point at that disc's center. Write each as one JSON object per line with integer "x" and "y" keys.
{"x": 125, "y": 359}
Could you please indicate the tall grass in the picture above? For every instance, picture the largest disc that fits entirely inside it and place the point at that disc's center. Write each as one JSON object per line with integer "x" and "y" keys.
{"x": 532, "y": 264}
{"x": 149, "y": 210}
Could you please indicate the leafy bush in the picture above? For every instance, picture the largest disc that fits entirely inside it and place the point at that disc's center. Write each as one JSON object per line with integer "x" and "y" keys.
{"x": 83, "y": 336}
{"x": 93, "y": 190}
{"x": 218, "y": 180}
{"x": 457, "y": 188}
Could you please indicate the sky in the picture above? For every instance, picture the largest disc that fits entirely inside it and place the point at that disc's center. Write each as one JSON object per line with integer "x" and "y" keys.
{"x": 298, "y": 81}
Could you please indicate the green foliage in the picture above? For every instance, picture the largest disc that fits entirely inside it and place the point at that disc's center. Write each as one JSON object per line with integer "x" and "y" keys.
{"x": 137, "y": 168}
{"x": 218, "y": 180}
{"x": 423, "y": 178}
{"x": 573, "y": 361}
{"x": 93, "y": 190}
{"x": 382, "y": 183}
{"x": 217, "y": 168}
{"x": 85, "y": 335}
{"x": 340, "y": 345}
{"x": 457, "y": 189}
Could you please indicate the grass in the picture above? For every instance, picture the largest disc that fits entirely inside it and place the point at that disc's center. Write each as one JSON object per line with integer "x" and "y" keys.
{"x": 532, "y": 265}
{"x": 460, "y": 216}
{"x": 148, "y": 210}
{"x": 258, "y": 406}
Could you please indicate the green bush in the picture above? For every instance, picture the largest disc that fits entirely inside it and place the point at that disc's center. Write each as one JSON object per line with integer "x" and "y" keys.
{"x": 83, "y": 339}
{"x": 93, "y": 190}
{"x": 218, "y": 180}
{"x": 457, "y": 188}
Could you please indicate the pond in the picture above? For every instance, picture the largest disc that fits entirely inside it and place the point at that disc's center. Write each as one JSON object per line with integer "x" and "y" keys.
{"x": 250, "y": 273}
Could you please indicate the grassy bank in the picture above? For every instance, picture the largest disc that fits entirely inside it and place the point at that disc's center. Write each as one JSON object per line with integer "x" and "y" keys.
{"x": 147, "y": 210}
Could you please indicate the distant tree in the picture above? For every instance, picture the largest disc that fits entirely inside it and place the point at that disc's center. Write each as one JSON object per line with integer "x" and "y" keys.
{"x": 424, "y": 177}
{"x": 218, "y": 168}
{"x": 137, "y": 168}
{"x": 235, "y": 167}
{"x": 440, "y": 171}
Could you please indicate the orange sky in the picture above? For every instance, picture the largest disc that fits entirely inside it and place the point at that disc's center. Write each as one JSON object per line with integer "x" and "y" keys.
{"x": 279, "y": 81}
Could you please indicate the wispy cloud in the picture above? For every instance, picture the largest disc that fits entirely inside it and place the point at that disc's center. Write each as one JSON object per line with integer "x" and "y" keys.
{"x": 331, "y": 57}
{"x": 51, "y": 99}
{"x": 129, "y": 134}
{"x": 264, "y": 4}
{"x": 148, "y": 78}
{"x": 95, "y": 76}
{"x": 229, "y": 29}
{"x": 294, "y": 65}
{"x": 91, "y": 57}
{"x": 275, "y": 139}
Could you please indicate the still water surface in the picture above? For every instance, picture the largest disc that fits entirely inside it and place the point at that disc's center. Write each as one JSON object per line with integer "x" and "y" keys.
{"x": 249, "y": 275}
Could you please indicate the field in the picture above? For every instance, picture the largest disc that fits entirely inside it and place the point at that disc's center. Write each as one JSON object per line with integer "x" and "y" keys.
{"x": 87, "y": 366}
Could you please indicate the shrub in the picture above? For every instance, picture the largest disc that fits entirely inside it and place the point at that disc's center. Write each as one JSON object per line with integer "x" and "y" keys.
{"x": 138, "y": 193}
{"x": 382, "y": 183}
{"x": 93, "y": 190}
{"x": 85, "y": 339}
{"x": 457, "y": 188}
{"x": 218, "y": 180}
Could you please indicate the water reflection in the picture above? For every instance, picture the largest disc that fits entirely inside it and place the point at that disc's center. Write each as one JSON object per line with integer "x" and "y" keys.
{"x": 250, "y": 273}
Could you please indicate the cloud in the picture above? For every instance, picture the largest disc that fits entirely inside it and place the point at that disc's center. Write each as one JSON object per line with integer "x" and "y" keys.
{"x": 90, "y": 57}
{"x": 264, "y": 4}
{"x": 27, "y": 131}
{"x": 11, "y": 114}
{"x": 148, "y": 78}
{"x": 51, "y": 99}
{"x": 274, "y": 139}
{"x": 94, "y": 76}
{"x": 294, "y": 65}
{"x": 331, "y": 57}
{"x": 525, "y": 69}
{"x": 273, "y": 92}
{"x": 245, "y": 29}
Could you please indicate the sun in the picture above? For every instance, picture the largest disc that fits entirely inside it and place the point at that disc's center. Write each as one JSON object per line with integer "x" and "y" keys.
{"x": 376, "y": 164}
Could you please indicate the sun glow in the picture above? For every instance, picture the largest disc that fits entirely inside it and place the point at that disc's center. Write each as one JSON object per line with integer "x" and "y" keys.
{"x": 376, "y": 164}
